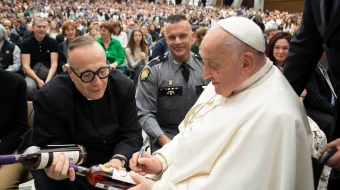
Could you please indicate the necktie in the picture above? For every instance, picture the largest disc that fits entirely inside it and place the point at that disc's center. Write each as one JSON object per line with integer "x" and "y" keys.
{"x": 324, "y": 72}
{"x": 185, "y": 71}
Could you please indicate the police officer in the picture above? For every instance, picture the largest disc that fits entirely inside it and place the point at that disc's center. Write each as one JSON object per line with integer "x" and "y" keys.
{"x": 170, "y": 84}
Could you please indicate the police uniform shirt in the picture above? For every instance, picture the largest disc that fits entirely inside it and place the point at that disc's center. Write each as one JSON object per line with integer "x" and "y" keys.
{"x": 163, "y": 96}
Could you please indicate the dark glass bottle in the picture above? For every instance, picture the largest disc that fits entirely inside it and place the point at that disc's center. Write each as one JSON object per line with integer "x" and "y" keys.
{"x": 105, "y": 177}
{"x": 34, "y": 157}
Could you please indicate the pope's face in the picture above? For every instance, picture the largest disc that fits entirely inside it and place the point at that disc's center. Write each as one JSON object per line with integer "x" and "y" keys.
{"x": 219, "y": 66}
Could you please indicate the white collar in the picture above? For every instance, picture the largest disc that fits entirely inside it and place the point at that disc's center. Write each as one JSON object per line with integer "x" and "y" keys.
{"x": 254, "y": 78}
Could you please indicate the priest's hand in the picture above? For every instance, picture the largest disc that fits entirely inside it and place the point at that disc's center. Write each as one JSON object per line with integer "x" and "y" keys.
{"x": 143, "y": 183}
{"x": 59, "y": 169}
{"x": 115, "y": 163}
{"x": 334, "y": 161}
{"x": 147, "y": 164}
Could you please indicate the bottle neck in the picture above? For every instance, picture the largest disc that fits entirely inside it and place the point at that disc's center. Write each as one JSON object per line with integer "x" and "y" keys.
{"x": 80, "y": 170}
{"x": 9, "y": 159}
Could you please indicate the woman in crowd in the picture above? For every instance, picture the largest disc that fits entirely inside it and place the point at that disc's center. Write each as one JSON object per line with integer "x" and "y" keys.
{"x": 14, "y": 38}
{"x": 93, "y": 32}
{"x": 119, "y": 34}
{"x": 278, "y": 47}
{"x": 147, "y": 37}
{"x": 154, "y": 34}
{"x": 136, "y": 52}
{"x": 124, "y": 24}
{"x": 195, "y": 46}
{"x": 297, "y": 26}
{"x": 54, "y": 30}
{"x": 112, "y": 47}
{"x": 289, "y": 26}
{"x": 69, "y": 30}
{"x": 85, "y": 24}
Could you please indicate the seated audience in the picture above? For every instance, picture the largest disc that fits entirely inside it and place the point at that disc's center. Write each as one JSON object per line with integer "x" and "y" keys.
{"x": 69, "y": 30}
{"x": 136, "y": 52}
{"x": 113, "y": 49}
{"x": 119, "y": 34}
{"x": 277, "y": 49}
{"x": 195, "y": 46}
{"x": 10, "y": 57}
{"x": 39, "y": 55}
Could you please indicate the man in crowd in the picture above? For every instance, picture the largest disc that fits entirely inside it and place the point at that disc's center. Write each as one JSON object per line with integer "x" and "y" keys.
{"x": 319, "y": 32}
{"x": 170, "y": 84}
{"x": 235, "y": 136}
{"x": 269, "y": 34}
{"x": 39, "y": 57}
{"x": 10, "y": 59}
{"x": 90, "y": 105}
{"x": 19, "y": 27}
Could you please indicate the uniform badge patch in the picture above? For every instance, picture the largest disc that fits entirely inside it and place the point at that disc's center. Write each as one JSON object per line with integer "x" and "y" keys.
{"x": 144, "y": 74}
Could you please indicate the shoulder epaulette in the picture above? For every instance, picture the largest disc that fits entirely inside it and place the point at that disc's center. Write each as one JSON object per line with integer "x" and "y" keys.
{"x": 198, "y": 57}
{"x": 158, "y": 60}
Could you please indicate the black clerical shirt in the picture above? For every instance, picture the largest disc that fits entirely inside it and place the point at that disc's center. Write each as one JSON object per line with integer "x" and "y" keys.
{"x": 105, "y": 127}
{"x": 13, "y": 111}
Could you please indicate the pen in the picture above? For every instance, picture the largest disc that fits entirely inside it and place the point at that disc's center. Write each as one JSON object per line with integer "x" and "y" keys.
{"x": 142, "y": 150}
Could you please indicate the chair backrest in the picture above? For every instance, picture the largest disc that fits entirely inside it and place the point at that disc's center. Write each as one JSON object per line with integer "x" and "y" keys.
{"x": 30, "y": 113}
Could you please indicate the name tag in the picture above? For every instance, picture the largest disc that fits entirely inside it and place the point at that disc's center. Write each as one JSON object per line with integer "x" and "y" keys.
{"x": 170, "y": 91}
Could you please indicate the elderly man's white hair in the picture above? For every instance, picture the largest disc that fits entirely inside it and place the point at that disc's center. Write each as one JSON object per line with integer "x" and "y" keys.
{"x": 3, "y": 32}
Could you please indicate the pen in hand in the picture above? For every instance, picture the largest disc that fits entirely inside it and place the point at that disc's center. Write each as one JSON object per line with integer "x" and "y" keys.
{"x": 142, "y": 150}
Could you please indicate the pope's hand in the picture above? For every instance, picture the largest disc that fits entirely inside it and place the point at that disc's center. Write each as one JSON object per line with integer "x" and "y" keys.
{"x": 143, "y": 183}
{"x": 146, "y": 165}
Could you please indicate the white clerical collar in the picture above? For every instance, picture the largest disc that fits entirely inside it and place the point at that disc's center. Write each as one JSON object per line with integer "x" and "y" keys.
{"x": 255, "y": 77}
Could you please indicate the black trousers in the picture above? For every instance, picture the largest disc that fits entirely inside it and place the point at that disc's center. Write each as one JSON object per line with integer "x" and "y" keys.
{"x": 334, "y": 178}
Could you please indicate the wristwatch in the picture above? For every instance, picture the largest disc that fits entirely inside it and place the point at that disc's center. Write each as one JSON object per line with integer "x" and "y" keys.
{"x": 121, "y": 158}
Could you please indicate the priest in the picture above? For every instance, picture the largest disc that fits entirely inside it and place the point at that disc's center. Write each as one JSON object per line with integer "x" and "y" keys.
{"x": 248, "y": 130}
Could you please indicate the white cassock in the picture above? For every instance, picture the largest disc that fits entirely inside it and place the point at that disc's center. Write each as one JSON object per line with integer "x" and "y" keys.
{"x": 258, "y": 138}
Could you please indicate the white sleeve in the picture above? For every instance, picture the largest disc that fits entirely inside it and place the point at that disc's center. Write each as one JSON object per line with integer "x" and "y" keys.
{"x": 131, "y": 62}
{"x": 16, "y": 60}
{"x": 124, "y": 40}
{"x": 163, "y": 185}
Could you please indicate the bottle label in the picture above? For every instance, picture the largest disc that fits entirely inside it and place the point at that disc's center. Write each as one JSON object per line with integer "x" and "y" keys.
{"x": 43, "y": 161}
{"x": 122, "y": 175}
{"x": 102, "y": 186}
{"x": 73, "y": 156}
{"x": 113, "y": 188}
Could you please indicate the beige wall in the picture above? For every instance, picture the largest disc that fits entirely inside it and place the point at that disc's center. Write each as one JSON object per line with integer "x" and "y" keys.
{"x": 284, "y": 5}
